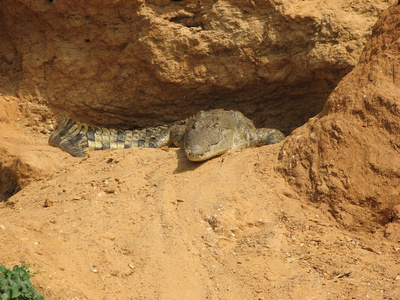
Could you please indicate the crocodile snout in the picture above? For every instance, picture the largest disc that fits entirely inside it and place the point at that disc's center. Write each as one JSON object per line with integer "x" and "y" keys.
{"x": 195, "y": 153}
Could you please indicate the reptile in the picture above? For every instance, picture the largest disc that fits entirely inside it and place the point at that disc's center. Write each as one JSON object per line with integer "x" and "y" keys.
{"x": 202, "y": 136}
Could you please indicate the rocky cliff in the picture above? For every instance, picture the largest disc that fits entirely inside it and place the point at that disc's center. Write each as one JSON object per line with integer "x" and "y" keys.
{"x": 125, "y": 63}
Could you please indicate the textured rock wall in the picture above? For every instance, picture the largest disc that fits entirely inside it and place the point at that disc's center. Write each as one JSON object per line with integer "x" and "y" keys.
{"x": 348, "y": 157}
{"x": 123, "y": 63}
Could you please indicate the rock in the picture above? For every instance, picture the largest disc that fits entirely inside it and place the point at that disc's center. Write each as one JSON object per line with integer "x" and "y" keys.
{"x": 124, "y": 63}
{"x": 349, "y": 155}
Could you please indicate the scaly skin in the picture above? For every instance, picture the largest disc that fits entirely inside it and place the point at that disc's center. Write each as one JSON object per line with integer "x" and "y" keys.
{"x": 203, "y": 136}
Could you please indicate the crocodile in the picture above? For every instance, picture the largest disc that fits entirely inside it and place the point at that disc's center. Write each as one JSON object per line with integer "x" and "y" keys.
{"x": 202, "y": 136}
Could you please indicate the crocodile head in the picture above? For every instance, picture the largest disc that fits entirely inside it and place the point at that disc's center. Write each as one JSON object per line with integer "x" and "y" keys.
{"x": 209, "y": 134}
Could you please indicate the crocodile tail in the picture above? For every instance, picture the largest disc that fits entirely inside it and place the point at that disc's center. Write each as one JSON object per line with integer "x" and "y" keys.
{"x": 103, "y": 138}
{"x": 70, "y": 136}
{"x": 75, "y": 138}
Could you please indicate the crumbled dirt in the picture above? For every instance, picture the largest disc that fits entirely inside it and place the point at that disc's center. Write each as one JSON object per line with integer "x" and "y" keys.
{"x": 149, "y": 224}
{"x": 314, "y": 217}
{"x": 348, "y": 156}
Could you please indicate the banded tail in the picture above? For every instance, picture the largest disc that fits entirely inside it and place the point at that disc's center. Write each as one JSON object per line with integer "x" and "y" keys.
{"x": 75, "y": 137}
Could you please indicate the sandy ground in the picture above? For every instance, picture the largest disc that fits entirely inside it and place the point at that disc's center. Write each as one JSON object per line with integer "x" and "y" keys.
{"x": 149, "y": 224}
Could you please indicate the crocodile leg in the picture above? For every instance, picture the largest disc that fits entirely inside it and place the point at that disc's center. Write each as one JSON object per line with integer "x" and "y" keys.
{"x": 267, "y": 136}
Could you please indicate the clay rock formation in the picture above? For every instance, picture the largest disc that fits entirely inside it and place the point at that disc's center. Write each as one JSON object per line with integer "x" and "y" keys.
{"x": 124, "y": 63}
{"x": 348, "y": 157}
